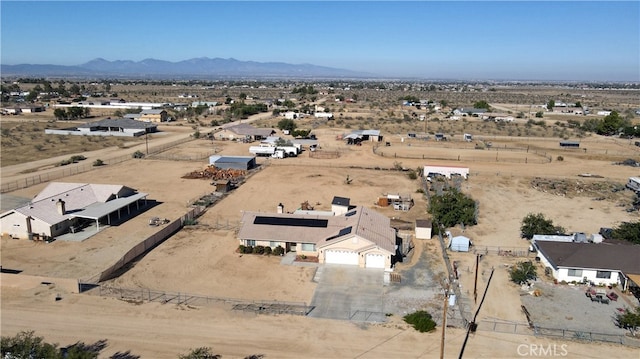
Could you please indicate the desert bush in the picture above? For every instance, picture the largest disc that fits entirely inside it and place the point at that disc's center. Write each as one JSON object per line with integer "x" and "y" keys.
{"x": 267, "y": 250}
{"x": 523, "y": 272}
{"x": 138, "y": 154}
{"x": 98, "y": 163}
{"x": 559, "y": 158}
{"x": 421, "y": 321}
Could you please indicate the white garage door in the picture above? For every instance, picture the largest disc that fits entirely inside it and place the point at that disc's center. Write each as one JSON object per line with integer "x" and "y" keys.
{"x": 341, "y": 257}
{"x": 375, "y": 261}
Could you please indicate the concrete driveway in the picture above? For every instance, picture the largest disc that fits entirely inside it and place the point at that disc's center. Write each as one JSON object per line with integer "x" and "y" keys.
{"x": 349, "y": 293}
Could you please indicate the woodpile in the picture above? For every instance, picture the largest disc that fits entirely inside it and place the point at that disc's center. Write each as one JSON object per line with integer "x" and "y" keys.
{"x": 214, "y": 173}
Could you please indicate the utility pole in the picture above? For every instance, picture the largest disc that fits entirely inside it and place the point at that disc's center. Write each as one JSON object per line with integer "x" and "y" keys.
{"x": 146, "y": 141}
{"x": 444, "y": 321}
{"x": 475, "y": 283}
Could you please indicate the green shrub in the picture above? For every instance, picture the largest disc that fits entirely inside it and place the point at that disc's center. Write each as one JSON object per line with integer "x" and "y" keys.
{"x": 421, "y": 321}
{"x": 248, "y": 249}
{"x": 258, "y": 249}
{"x": 523, "y": 272}
{"x": 98, "y": 163}
{"x": 267, "y": 250}
{"x": 241, "y": 248}
{"x": 138, "y": 154}
{"x": 278, "y": 251}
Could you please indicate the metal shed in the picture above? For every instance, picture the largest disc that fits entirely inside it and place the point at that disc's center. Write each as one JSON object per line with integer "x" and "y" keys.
{"x": 233, "y": 162}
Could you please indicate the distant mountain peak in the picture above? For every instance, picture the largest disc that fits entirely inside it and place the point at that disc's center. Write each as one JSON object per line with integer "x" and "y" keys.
{"x": 200, "y": 67}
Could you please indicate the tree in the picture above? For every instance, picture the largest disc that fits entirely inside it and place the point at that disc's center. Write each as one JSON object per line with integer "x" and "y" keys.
{"x": 27, "y": 345}
{"x": 482, "y": 104}
{"x": 627, "y": 231}
{"x": 550, "y": 105}
{"x": 453, "y": 207}
{"x": 60, "y": 114}
{"x": 629, "y": 319}
{"x": 539, "y": 114}
{"x": 287, "y": 124}
{"x": 536, "y": 223}
{"x": 611, "y": 124}
{"x": 200, "y": 353}
{"x": 523, "y": 272}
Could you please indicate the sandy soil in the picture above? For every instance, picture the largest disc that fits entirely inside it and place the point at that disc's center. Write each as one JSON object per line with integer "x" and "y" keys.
{"x": 202, "y": 260}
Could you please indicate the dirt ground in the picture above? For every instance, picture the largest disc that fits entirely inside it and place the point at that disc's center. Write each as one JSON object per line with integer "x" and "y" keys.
{"x": 202, "y": 260}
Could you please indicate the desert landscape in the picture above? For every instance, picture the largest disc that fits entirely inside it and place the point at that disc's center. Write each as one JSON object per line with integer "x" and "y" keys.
{"x": 522, "y": 171}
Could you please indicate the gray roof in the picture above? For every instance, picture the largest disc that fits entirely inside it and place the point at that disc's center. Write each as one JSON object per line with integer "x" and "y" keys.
{"x": 120, "y": 123}
{"x": 363, "y": 222}
{"x": 245, "y": 129}
{"x": 152, "y": 112}
{"x": 423, "y": 223}
{"x": 341, "y": 201}
{"x": 620, "y": 257}
{"x": 231, "y": 159}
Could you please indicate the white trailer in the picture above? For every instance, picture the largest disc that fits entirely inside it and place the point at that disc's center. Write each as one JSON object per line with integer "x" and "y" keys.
{"x": 262, "y": 150}
{"x": 634, "y": 184}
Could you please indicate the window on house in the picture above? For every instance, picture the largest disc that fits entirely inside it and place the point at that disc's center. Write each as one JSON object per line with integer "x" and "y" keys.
{"x": 574, "y": 272}
{"x": 603, "y": 274}
{"x": 251, "y": 242}
{"x": 308, "y": 247}
{"x": 273, "y": 244}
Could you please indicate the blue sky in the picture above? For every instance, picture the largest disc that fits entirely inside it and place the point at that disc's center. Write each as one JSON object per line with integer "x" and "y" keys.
{"x": 537, "y": 40}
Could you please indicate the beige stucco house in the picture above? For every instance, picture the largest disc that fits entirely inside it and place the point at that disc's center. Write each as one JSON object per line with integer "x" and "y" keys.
{"x": 360, "y": 237}
{"x": 62, "y": 207}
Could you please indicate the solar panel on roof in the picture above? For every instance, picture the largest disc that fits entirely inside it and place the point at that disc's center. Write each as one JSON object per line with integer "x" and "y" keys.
{"x": 292, "y": 222}
{"x": 349, "y": 214}
{"x": 342, "y": 232}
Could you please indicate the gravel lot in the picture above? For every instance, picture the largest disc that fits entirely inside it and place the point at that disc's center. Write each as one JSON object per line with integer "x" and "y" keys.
{"x": 567, "y": 307}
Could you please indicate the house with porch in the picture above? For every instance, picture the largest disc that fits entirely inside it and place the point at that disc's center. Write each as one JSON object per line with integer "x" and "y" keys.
{"x": 359, "y": 237}
{"x": 62, "y": 208}
{"x": 244, "y": 131}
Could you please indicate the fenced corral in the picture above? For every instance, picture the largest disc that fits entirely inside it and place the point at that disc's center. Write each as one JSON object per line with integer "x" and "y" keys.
{"x": 324, "y": 154}
{"x": 141, "y": 295}
{"x": 367, "y": 316}
{"x": 74, "y": 169}
{"x": 586, "y": 336}
{"x": 150, "y": 242}
{"x": 487, "y": 155}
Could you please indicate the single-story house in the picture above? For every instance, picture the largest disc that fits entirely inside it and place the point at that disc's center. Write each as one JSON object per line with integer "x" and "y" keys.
{"x": 233, "y": 162}
{"x": 360, "y": 237}
{"x": 244, "y": 131}
{"x": 496, "y": 117}
{"x": 31, "y": 108}
{"x": 598, "y": 263}
{"x": 446, "y": 171}
{"x": 154, "y": 115}
{"x": 423, "y": 229}
{"x": 469, "y": 111}
{"x": 109, "y": 127}
{"x": 60, "y": 207}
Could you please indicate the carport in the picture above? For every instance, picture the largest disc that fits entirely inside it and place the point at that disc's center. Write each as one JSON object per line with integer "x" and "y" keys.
{"x": 99, "y": 210}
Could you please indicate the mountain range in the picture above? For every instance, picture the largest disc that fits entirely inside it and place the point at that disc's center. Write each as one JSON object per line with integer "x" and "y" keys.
{"x": 202, "y": 67}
